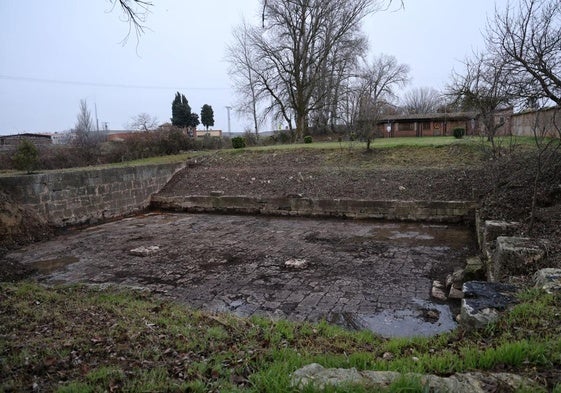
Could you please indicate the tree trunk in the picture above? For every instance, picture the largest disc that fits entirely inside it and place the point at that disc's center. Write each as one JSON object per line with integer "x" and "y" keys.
{"x": 301, "y": 126}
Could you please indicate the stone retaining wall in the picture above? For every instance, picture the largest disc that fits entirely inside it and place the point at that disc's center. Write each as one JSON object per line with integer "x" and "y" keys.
{"x": 430, "y": 211}
{"x": 88, "y": 195}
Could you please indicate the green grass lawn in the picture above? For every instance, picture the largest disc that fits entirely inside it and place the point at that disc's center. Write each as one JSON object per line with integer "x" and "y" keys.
{"x": 86, "y": 339}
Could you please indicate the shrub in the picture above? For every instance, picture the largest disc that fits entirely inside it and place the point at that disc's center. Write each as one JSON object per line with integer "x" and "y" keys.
{"x": 284, "y": 137}
{"x": 26, "y": 157}
{"x": 459, "y": 132}
{"x": 238, "y": 142}
{"x": 250, "y": 138}
{"x": 308, "y": 139}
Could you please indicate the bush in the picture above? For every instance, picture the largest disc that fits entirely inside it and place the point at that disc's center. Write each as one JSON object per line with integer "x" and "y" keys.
{"x": 238, "y": 142}
{"x": 250, "y": 138}
{"x": 26, "y": 157}
{"x": 284, "y": 137}
{"x": 308, "y": 139}
{"x": 459, "y": 132}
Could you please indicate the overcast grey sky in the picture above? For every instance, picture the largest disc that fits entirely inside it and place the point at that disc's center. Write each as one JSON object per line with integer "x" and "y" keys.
{"x": 54, "y": 53}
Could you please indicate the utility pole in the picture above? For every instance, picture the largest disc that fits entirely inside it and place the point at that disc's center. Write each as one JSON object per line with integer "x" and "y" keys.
{"x": 229, "y": 129}
{"x": 96, "y": 119}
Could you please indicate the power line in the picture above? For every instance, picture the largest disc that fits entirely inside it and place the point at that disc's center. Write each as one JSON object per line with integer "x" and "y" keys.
{"x": 97, "y": 84}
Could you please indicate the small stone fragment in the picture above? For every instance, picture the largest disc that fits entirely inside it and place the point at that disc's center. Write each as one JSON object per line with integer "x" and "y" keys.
{"x": 455, "y": 293}
{"x": 143, "y": 251}
{"x": 387, "y": 356}
{"x": 295, "y": 263}
{"x": 438, "y": 293}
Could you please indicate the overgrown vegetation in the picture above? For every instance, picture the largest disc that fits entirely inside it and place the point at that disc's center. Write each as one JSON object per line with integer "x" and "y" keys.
{"x": 86, "y": 339}
{"x": 26, "y": 157}
{"x": 458, "y": 132}
{"x": 238, "y": 142}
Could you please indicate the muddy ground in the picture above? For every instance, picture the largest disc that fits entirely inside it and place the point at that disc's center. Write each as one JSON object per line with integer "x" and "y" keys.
{"x": 359, "y": 274}
{"x": 503, "y": 185}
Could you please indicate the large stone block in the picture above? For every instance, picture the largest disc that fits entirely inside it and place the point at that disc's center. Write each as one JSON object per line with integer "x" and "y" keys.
{"x": 483, "y": 301}
{"x": 492, "y": 229}
{"x": 322, "y": 378}
{"x": 515, "y": 256}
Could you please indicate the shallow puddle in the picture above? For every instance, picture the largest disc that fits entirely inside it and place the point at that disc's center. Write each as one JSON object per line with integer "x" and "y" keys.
{"x": 47, "y": 266}
{"x": 427, "y": 319}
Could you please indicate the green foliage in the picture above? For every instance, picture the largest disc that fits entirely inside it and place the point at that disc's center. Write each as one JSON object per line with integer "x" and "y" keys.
{"x": 308, "y": 139}
{"x": 238, "y": 142}
{"x": 180, "y": 111}
{"x": 194, "y": 120}
{"x": 207, "y": 116}
{"x": 26, "y": 157}
{"x": 459, "y": 132}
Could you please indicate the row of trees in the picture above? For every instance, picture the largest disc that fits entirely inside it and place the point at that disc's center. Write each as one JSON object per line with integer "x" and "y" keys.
{"x": 305, "y": 64}
{"x": 520, "y": 66}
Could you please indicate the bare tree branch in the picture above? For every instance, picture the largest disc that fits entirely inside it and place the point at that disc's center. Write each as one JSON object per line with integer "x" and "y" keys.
{"x": 134, "y": 13}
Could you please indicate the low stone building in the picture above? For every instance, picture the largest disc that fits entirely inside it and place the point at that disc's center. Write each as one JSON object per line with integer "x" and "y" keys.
{"x": 440, "y": 124}
{"x": 544, "y": 122}
{"x": 10, "y": 142}
{"x": 427, "y": 124}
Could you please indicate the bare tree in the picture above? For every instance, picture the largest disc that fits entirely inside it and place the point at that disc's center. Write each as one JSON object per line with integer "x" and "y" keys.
{"x": 291, "y": 52}
{"x": 134, "y": 13}
{"x": 376, "y": 88}
{"x": 143, "y": 122}
{"x": 86, "y": 139}
{"x": 340, "y": 68}
{"x": 422, "y": 100}
{"x": 242, "y": 60}
{"x": 528, "y": 39}
{"x": 484, "y": 87}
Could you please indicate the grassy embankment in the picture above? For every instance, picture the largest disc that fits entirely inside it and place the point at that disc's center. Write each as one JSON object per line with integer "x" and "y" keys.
{"x": 80, "y": 339}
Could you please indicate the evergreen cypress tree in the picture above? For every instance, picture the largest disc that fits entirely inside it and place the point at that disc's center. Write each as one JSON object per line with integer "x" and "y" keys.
{"x": 207, "y": 116}
{"x": 180, "y": 111}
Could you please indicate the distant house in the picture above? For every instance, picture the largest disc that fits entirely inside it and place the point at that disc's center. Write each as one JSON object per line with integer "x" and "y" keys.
{"x": 429, "y": 124}
{"x": 212, "y": 133}
{"x": 439, "y": 124}
{"x": 9, "y": 142}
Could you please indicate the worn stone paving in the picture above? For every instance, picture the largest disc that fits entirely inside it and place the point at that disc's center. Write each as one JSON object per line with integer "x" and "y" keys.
{"x": 357, "y": 273}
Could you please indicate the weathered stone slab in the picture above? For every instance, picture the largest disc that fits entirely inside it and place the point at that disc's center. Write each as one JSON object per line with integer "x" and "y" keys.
{"x": 492, "y": 229}
{"x": 548, "y": 280}
{"x": 320, "y": 377}
{"x": 430, "y": 211}
{"x": 483, "y": 301}
{"x": 515, "y": 256}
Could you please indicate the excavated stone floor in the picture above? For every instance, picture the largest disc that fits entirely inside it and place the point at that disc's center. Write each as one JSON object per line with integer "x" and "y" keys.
{"x": 359, "y": 274}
